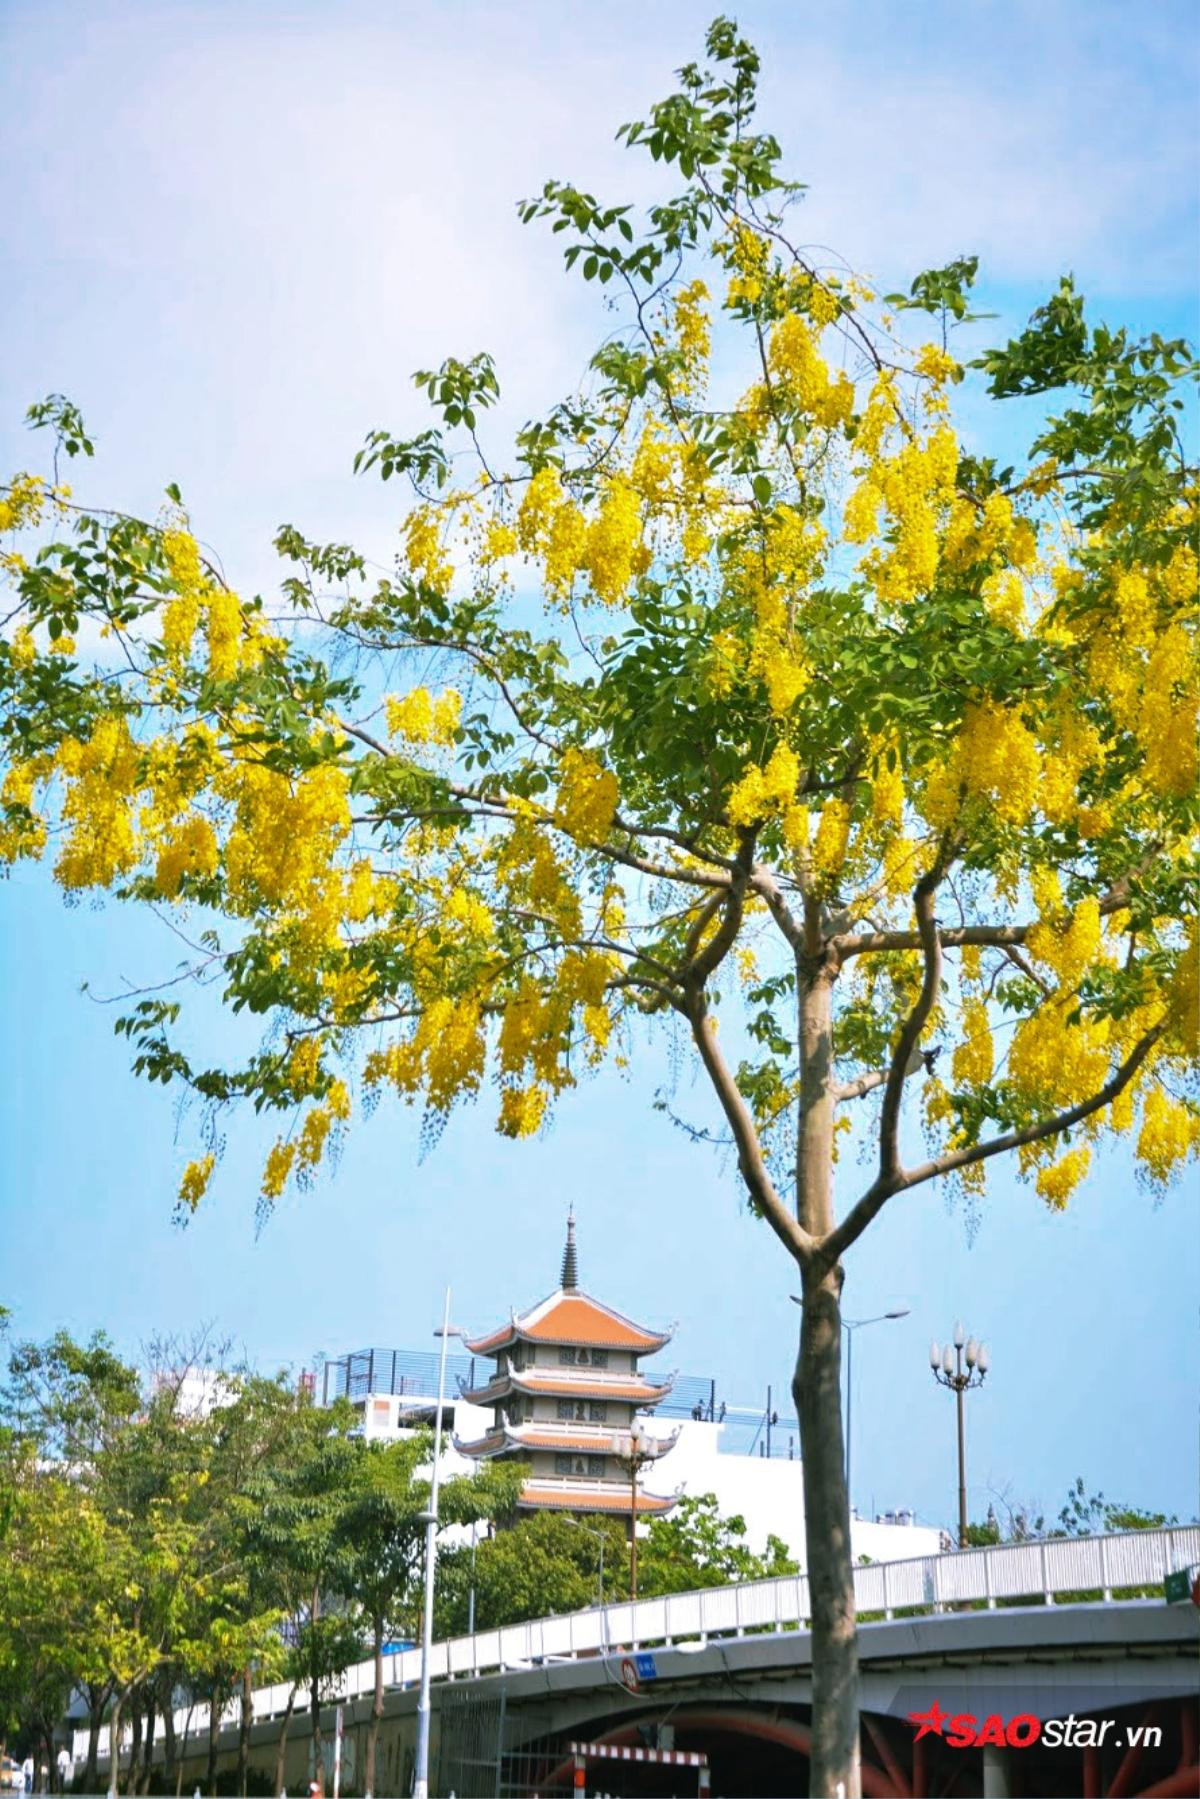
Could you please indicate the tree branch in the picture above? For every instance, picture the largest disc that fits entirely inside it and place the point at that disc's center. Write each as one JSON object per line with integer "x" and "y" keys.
{"x": 791, "y": 1234}
{"x": 860, "y": 1215}
{"x": 914, "y": 1024}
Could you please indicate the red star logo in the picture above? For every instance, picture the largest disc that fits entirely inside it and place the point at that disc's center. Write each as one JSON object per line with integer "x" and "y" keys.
{"x": 931, "y": 1721}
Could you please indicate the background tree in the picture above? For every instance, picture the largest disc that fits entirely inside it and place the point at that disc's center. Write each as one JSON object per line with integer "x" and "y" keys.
{"x": 295, "y": 1527}
{"x": 829, "y": 732}
{"x": 543, "y": 1565}
{"x": 381, "y": 1532}
{"x": 696, "y": 1546}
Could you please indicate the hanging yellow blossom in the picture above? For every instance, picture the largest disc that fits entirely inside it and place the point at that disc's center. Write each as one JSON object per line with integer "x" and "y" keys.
{"x": 1057, "y": 1183}
{"x": 194, "y": 1184}
{"x": 587, "y": 797}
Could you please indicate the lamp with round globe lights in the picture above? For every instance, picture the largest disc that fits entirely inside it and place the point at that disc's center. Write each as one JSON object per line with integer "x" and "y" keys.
{"x": 960, "y": 1365}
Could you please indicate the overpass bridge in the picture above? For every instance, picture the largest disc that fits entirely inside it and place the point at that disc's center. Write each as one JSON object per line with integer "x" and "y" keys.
{"x": 1071, "y": 1627}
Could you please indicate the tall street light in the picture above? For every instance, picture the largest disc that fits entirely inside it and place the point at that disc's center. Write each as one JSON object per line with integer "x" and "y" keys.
{"x": 850, "y": 1325}
{"x": 643, "y": 1448}
{"x": 421, "y": 1776}
{"x": 948, "y": 1371}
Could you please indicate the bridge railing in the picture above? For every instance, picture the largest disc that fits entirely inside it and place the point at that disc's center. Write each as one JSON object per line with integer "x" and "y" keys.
{"x": 1038, "y": 1572}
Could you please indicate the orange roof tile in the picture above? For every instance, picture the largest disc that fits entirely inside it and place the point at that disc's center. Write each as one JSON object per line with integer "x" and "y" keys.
{"x": 586, "y": 1385}
{"x": 594, "y": 1499}
{"x": 599, "y": 1442}
{"x": 571, "y": 1318}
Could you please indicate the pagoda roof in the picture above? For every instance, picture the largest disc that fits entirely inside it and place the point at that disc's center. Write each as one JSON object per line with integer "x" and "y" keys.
{"x": 566, "y": 1383}
{"x": 572, "y": 1317}
{"x": 583, "y": 1440}
{"x": 581, "y": 1497}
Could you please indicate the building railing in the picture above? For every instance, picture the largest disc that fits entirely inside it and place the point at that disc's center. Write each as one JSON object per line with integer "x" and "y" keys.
{"x": 1089, "y": 1568}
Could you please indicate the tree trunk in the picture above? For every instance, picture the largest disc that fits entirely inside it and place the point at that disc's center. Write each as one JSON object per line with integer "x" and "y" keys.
{"x": 214, "y": 1732}
{"x": 318, "y": 1742}
{"x": 187, "y": 1731}
{"x": 318, "y": 1747}
{"x": 170, "y": 1766}
{"x": 147, "y": 1775}
{"x": 244, "y": 1723}
{"x": 281, "y": 1746}
{"x": 114, "y": 1744}
{"x": 97, "y": 1699}
{"x": 376, "y": 1713}
{"x": 135, "y": 1749}
{"x": 835, "y": 1771}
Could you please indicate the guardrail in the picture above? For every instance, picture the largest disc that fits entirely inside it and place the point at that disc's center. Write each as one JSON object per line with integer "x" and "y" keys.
{"x": 1040, "y": 1572}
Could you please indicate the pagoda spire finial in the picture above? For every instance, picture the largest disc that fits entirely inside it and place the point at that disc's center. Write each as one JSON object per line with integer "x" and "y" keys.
{"x": 570, "y": 1261}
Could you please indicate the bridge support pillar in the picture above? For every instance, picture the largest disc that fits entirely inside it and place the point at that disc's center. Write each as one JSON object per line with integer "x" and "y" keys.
{"x": 996, "y": 1784}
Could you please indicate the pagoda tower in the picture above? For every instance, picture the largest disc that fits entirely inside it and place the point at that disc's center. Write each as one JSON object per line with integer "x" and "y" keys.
{"x": 565, "y": 1395}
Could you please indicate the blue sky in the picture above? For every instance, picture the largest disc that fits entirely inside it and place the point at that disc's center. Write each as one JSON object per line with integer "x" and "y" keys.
{"x": 230, "y": 232}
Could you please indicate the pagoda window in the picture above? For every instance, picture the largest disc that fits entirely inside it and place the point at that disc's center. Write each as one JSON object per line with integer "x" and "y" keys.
{"x": 597, "y": 1411}
{"x": 562, "y": 1464}
{"x": 595, "y": 1466}
{"x": 566, "y": 1408}
{"x": 566, "y": 1355}
{"x": 599, "y": 1358}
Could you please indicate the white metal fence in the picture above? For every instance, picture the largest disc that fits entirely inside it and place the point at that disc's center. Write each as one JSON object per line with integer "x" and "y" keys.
{"x": 1090, "y": 1568}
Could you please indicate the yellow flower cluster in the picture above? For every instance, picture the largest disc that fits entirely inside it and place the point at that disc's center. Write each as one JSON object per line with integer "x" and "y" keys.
{"x": 803, "y": 374}
{"x": 1170, "y": 710}
{"x": 424, "y": 550}
{"x": 994, "y": 759}
{"x": 692, "y": 332}
{"x": 22, "y": 829}
{"x": 23, "y": 501}
{"x": 281, "y": 846}
{"x": 765, "y": 792}
{"x": 587, "y": 797}
{"x": 614, "y": 551}
{"x": 748, "y": 255}
{"x": 522, "y": 1110}
{"x": 1170, "y": 1133}
{"x": 194, "y": 1184}
{"x": 1055, "y": 1063}
{"x": 916, "y": 486}
{"x": 1071, "y": 946}
{"x": 1057, "y": 1182}
{"x": 723, "y": 665}
{"x": 499, "y": 541}
{"x": 102, "y": 774}
{"x": 528, "y": 869}
{"x": 189, "y": 849}
{"x": 444, "y": 1057}
{"x": 830, "y": 843}
{"x": 937, "y": 365}
{"x": 974, "y": 1056}
{"x": 419, "y": 718}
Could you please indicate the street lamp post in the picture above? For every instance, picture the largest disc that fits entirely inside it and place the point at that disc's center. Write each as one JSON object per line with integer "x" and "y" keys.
{"x": 421, "y": 1773}
{"x": 850, "y": 1325}
{"x": 948, "y": 1370}
{"x": 643, "y": 1448}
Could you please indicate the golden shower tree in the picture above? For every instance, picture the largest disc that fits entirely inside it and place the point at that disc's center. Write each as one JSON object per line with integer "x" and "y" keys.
{"x": 733, "y": 693}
